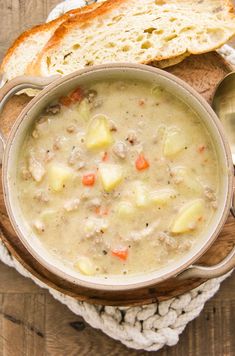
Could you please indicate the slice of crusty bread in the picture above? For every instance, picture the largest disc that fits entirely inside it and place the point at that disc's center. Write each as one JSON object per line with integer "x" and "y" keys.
{"x": 137, "y": 31}
{"x": 27, "y": 46}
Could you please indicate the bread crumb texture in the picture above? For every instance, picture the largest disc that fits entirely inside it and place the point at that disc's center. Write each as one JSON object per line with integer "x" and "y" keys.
{"x": 162, "y": 32}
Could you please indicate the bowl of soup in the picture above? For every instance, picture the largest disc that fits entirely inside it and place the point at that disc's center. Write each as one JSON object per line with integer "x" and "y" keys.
{"x": 118, "y": 177}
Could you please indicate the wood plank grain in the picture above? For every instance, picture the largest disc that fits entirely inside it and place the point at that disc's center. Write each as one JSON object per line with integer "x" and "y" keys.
{"x": 211, "y": 334}
{"x": 12, "y": 282}
{"x": 1, "y": 319}
{"x": 199, "y": 338}
{"x": 11, "y": 25}
{"x": 22, "y": 324}
{"x": 18, "y": 15}
{"x": 68, "y": 334}
{"x": 65, "y": 331}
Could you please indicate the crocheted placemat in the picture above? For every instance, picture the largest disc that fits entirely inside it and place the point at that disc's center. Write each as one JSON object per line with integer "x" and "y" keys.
{"x": 147, "y": 327}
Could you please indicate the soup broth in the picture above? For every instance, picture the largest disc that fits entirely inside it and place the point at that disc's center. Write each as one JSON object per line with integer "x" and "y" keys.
{"x": 118, "y": 178}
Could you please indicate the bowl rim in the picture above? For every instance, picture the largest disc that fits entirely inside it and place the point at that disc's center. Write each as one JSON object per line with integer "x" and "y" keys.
{"x": 148, "y": 282}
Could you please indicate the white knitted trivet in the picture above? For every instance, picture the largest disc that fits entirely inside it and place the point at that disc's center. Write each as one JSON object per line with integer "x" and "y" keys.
{"x": 148, "y": 327}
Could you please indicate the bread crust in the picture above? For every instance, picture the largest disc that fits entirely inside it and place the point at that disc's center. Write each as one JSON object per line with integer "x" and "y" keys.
{"x": 82, "y": 18}
{"x": 83, "y": 21}
{"x": 40, "y": 28}
{"x": 170, "y": 61}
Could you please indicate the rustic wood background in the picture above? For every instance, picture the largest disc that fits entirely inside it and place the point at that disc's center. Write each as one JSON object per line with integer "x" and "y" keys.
{"x": 32, "y": 323}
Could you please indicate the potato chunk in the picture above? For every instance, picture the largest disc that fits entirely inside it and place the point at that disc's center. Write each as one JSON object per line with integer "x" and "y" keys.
{"x": 189, "y": 217}
{"x": 48, "y": 215}
{"x": 174, "y": 143}
{"x": 85, "y": 266}
{"x": 141, "y": 194}
{"x": 183, "y": 178}
{"x": 58, "y": 175}
{"x": 84, "y": 110}
{"x": 111, "y": 175}
{"x": 162, "y": 196}
{"x": 125, "y": 208}
{"x": 98, "y": 134}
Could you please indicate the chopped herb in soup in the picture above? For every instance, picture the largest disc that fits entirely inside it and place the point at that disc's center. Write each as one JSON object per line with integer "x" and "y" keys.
{"x": 118, "y": 178}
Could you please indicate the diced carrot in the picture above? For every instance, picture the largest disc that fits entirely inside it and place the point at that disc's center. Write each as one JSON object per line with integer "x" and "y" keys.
{"x": 77, "y": 95}
{"x": 101, "y": 211}
{"x": 105, "y": 157}
{"x": 88, "y": 179}
{"x": 97, "y": 210}
{"x": 201, "y": 148}
{"x": 141, "y": 163}
{"x": 65, "y": 101}
{"x": 122, "y": 254}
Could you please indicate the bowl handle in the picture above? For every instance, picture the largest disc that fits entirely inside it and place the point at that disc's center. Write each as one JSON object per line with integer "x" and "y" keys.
{"x": 15, "y": 85}
{"x": 218, "y": 270}
{"x": 210, "y": 272}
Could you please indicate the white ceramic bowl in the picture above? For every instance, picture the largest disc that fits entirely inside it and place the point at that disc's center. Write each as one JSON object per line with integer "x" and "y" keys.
{"x": 182, "y": 268}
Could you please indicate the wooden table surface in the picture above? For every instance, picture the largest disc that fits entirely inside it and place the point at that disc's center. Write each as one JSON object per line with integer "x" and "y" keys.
{"x": 32, "y": 323}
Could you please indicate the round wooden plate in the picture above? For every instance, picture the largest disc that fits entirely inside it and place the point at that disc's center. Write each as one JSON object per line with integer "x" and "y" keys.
{"x": 203, "y": 72}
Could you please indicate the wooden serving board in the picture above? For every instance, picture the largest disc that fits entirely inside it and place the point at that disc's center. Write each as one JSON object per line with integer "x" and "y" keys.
{"x": 203, "y": 72}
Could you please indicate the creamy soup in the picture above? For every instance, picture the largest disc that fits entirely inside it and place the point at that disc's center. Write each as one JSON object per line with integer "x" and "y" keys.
{"x": 118, "y": 178}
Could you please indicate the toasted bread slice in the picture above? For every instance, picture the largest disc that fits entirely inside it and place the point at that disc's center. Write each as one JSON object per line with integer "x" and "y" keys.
{"x": 137, "y": 31}
{"x": 27, "y": 46}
